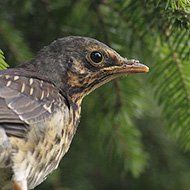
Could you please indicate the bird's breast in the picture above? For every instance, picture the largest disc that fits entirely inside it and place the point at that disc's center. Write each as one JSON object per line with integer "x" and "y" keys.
{"x": 44, "y": 148}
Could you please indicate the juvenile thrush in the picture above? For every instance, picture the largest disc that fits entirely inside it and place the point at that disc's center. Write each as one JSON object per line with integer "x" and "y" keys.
{"x": 40, "y": 105}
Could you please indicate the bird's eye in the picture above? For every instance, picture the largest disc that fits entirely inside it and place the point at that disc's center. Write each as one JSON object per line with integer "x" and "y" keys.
{"x": 96, "y": 57}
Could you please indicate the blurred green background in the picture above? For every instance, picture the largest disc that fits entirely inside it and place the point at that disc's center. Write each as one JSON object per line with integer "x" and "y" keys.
{"x": 134, "y": 132}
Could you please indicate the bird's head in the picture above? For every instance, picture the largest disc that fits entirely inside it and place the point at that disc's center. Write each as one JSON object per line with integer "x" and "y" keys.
{"x": 78, "y": 65}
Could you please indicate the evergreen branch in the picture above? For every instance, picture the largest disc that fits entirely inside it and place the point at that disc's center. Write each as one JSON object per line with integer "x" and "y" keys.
{"x": 128, "y": 139}
{"x": 173, "y": 92}
{"x": 121, "y": 140}
{"x": 179, "y": 4}
{"x": 3, "y": 64}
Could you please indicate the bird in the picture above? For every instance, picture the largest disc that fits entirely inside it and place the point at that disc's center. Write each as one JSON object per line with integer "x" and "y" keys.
{"x": 40, "y": 105}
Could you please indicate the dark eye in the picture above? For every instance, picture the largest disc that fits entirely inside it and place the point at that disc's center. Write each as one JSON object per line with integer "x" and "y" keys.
{"x": 96, "y": 57}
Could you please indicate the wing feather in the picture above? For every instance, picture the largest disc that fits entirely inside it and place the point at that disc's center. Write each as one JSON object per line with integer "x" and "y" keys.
{"x": 25, "y": 100}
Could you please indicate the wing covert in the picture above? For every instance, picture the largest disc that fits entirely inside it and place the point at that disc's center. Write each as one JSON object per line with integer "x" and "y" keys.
{"x": 25, "y": 101}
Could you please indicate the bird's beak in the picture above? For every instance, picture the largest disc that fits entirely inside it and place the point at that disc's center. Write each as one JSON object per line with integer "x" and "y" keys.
{"x": 128, "y": 66}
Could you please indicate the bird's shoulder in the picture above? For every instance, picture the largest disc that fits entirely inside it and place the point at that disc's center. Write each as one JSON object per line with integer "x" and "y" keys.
{"x": 27, "y": 98}
{"x": 29, "y": 83}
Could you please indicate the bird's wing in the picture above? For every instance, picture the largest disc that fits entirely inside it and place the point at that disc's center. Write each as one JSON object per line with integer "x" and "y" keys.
{"x": 26, "y": 100}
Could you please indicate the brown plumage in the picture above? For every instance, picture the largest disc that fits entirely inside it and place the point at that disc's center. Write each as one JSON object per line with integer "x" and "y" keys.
{"x": 40, "y": 105}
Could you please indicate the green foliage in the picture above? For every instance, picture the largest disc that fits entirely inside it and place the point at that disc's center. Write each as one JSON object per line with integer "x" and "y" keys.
{"x": 173, "y": 91}
{"x": 117, "y": 132}
{"x": 3, "y": 64}
{"x": 180, "y": 4}
{"x": 121, "y": 130}
{"x": 15, "y": 42}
